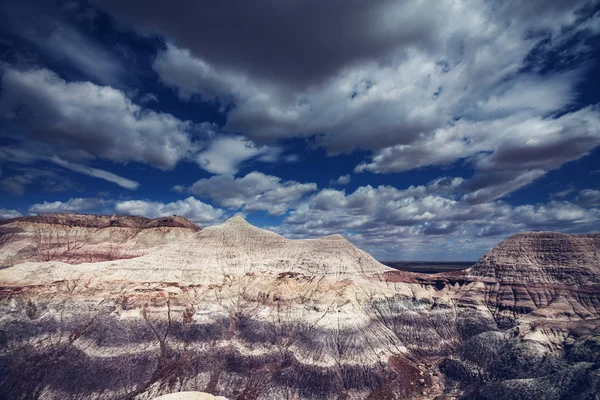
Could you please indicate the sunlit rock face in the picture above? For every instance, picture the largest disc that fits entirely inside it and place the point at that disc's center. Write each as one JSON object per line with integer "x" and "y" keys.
{"x": 244, "y": 313}
{"x": 543, "y": 257}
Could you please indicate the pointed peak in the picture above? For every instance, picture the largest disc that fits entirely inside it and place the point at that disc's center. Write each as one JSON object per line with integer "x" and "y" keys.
{"x": 336, "y": 236}
{"x": 238, "y": 225}
{"x": 236, "y": 220}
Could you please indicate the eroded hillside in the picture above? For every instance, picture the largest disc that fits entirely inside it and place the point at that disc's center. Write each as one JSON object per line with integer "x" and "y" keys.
{"x": 78, "y": 238}
{"x": 240, "y": 312}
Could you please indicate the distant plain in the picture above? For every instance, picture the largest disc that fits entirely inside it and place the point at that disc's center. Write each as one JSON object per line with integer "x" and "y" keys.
{"x": 429, "y": 267}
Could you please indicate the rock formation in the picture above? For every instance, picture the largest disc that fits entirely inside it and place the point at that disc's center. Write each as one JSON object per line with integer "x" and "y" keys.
{"x": 190, "y": 396}
{"x": 77, "y": 238}
{"x": 543, "y": 257}
{"x": 240, "y": 312}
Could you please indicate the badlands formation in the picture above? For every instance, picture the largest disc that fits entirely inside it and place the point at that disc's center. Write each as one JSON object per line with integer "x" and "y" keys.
{"x": 125, "y": 308}
{"x": 76, "y": 238}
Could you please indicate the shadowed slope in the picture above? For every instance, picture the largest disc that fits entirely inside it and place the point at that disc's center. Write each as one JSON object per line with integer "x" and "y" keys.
{"x": 241, "y": 312}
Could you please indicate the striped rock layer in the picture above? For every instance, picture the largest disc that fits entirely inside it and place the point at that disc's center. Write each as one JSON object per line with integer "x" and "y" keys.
{"x": 243, "y": 313}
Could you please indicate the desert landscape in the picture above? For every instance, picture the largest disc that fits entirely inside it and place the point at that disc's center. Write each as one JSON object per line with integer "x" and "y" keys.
{"x": 243, "y": 313}
{"x": 300, "y": 200}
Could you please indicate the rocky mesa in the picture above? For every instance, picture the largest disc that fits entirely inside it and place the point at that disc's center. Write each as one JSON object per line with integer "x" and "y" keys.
{"x": 240, "y": 312}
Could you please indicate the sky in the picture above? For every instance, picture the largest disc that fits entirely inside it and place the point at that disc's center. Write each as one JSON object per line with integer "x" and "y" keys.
{"x": 420, "y": 130}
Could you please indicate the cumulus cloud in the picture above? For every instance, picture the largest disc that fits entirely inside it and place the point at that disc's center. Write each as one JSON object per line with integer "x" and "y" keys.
{"x": 516, "y": 141}
{"x": 425, "y": 220}
{"x": 418, "y": 84}
{"x": 189, "y": 75}
{"x": 447, "y": 185}
{"x": 255, "y": 191}
{"x": 556, "y": 215}
{"x": 81, "y": 120}
{"x": 6, "y": 213}
{"x": 225, "y": 154}
{"x": 507, "y": 153}
{"x": 99, "y": 120}
{"x": 418, "y": 78}
{"x": 342, "y": 180}
{"x": 547, "y": 142}
{"x": 73, "y": 205}
{"x": 190, "y": 208}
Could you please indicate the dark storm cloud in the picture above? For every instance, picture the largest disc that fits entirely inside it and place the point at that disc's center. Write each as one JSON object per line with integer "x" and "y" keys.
{"x": 300, "y": 43}
{"x": 294, "y": 43}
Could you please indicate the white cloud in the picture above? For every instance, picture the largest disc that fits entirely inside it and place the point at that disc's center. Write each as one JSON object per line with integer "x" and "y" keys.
{"x": 99, "y": 120}
{"x": 6, "y": 213}
{"x": 148, "y": 97}
{"x": 190, "y": 75}
{"x": 81, "y": 120}
{"x": 400, "y": 100}
{"x": 563, "y": 193}
{"x": 507, "y": 153}
{"x": 190, "y": 208}
{"x": 588, "y": 198}
{"x": 225, "y": 154}
{"x": 255, "y": 191}
{"x": 554, "y": 215}
{"x": 427, "y": 221}
{"x": 73, "y": 205}
{"x": 416, "y": 87}
{"x": 97, "y": 173}
{"x": 518, "y": 140}
{"x": 291, "y": 158}
{"x": 496, "y": 185}
{"x": 29, "y": 153}
{"x": 342, "y": 180}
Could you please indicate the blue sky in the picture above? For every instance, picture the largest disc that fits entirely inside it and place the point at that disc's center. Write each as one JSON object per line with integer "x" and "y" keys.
{"x": 420, "y": 130}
